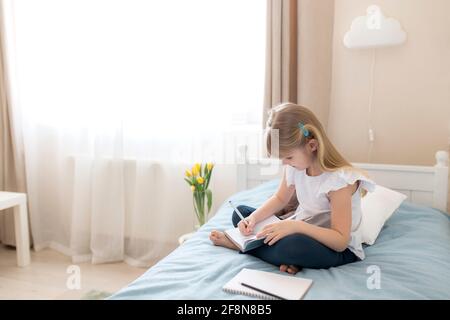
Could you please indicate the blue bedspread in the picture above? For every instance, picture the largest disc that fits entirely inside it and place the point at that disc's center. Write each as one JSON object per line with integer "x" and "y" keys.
{"x": 412, "y": 254}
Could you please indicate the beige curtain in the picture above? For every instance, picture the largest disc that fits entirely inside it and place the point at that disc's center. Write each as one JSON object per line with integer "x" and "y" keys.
{"x": 12, "y": 171}
{"x": 299, "y": 59}
{"x": 299, "y": 54}
{"x": 281, "y": 54}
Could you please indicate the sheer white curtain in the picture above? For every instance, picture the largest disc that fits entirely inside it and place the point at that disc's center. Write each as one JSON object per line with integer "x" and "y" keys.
{"x": 116, "y": 98}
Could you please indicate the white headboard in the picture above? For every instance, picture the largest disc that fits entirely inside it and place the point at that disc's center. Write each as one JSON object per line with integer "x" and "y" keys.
{"x": 426, "y": 185}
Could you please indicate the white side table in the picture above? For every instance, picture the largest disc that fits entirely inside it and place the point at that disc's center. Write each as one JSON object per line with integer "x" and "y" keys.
{"x": 18, "y": 201}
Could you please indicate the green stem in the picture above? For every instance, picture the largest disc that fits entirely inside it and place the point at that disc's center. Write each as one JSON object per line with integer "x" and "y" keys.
{"x": 202, "y": 208}
{"x": 199, "y": 206}
{"x": 194, "y": 200}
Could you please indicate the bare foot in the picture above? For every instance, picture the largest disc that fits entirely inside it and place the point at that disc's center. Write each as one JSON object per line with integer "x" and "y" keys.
{"x": 289, "y": 269}
{"x": 219, "y": 239}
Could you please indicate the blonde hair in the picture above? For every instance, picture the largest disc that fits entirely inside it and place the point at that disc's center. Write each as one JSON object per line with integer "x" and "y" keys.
{"x": 286, "y": 118}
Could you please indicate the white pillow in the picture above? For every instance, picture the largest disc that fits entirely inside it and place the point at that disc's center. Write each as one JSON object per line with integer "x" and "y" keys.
{"x": 377, "y": 207}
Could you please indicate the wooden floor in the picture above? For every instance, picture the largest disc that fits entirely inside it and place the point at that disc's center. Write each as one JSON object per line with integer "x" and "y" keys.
{"x": 46, "y": 277}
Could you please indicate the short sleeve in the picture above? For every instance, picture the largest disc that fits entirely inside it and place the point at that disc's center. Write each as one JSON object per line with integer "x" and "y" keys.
{"x": 290, "y": 175}
{"x": 341, "y": 178}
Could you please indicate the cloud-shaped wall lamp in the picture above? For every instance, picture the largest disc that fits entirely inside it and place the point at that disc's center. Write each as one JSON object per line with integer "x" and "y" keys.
{"x": 374, "y": 30}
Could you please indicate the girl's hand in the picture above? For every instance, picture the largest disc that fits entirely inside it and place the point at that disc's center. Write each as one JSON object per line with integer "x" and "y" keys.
{"x": 276, "y": 231}
{"x": 247, "y": 225}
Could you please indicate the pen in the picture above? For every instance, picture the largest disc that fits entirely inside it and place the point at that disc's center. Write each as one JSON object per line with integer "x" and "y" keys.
{"x": 238, "y": 213}
{"x": 262, "y": 291}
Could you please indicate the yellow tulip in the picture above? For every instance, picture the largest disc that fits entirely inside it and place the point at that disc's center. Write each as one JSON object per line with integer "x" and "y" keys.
{"x": 200, "y": 180}
{"x": 209, "y": 166}
{"x": 188, "y": 173}
{"x": 195, "y": 171}
{"x": 193, "y": 188}
{"x": 199, "y": 166}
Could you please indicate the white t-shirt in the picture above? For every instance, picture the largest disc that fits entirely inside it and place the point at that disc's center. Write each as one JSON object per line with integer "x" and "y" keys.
{"x": 313, "y": 199}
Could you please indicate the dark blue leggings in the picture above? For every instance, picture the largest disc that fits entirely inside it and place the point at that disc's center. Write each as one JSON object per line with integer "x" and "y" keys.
{"x": 297, "y": 249}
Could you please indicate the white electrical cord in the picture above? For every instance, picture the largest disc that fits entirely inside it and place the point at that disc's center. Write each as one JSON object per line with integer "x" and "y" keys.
{"x": 371, "y": 134}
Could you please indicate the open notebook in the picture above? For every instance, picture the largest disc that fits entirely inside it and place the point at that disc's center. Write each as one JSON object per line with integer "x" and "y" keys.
{"x": 271, "y": 286}
{"x": 246, "y": 243}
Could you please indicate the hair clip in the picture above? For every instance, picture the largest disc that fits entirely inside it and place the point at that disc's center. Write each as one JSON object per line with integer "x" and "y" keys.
{"x": 302, "y": 127}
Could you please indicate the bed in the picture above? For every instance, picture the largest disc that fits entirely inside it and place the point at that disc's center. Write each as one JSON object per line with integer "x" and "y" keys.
{"x": 411, "y": 257}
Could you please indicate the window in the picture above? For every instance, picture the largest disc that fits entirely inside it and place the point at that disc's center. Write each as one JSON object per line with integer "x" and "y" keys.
{"x": 148, "y": 68}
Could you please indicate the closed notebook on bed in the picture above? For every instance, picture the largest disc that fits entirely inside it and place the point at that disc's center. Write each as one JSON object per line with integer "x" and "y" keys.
{"x": 277, "y": 286}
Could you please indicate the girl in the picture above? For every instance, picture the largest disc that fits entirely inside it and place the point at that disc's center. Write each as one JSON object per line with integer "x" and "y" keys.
{"x": 324, "y": 183}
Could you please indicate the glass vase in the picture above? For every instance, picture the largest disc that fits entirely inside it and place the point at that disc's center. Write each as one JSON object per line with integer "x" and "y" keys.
{"x": 200, "y": 207}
